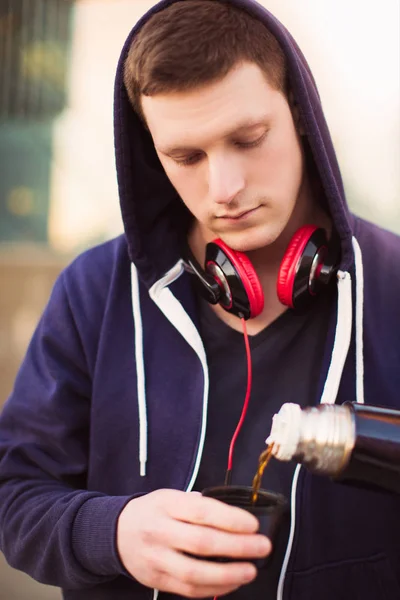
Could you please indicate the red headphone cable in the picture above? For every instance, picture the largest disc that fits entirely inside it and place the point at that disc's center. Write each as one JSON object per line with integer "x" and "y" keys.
{"x": 228, "y": 474}
{"x": 244, "y": 410}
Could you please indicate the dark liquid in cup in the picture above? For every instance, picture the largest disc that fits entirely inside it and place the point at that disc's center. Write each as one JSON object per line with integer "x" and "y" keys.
{"x": 263, "y": 461}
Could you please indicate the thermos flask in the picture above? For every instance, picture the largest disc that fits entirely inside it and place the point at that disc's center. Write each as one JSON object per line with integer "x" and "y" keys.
{"x": 352, "y": 443}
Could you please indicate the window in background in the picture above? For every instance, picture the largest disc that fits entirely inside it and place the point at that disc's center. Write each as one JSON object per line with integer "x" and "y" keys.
{"x": 34, "y": 55}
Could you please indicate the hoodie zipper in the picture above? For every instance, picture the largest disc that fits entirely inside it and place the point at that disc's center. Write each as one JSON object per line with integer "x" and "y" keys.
{"x": 179, "y": 318}
{"x": 171, "y": 307}
{"x": 165, "y": 300}
{"x": 339, "y": 354}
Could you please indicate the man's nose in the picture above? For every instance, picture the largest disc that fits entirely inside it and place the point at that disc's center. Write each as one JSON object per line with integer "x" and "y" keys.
{"x": 225, "y": 179}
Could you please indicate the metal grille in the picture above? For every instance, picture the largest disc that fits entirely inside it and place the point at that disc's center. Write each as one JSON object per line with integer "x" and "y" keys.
{"x": 34, "y": 53}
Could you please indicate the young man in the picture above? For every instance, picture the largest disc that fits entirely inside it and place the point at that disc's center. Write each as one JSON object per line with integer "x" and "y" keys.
{"x": 114, "y": 417}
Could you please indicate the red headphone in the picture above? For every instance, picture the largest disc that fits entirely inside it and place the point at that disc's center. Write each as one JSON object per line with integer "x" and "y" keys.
{"x": 229, "y": 278}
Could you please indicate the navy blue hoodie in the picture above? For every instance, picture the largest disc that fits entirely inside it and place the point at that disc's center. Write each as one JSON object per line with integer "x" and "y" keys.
{"x": 111, "y": 399}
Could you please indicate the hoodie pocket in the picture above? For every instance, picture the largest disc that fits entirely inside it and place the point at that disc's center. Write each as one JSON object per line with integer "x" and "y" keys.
{"x": 370, "y": 578}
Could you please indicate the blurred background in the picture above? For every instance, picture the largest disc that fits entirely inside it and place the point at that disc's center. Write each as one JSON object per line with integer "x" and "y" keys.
{"x": 58, "y": 191}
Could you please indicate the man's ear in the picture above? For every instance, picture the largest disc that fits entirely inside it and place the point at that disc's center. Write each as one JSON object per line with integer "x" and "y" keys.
{"x": 296, "y": 114}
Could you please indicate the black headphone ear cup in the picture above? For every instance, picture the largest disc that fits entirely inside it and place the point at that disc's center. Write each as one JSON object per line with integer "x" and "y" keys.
{"x": 248, "y": 278}
{"x": 251, "y": 283}
{"x": 291, "y": 260}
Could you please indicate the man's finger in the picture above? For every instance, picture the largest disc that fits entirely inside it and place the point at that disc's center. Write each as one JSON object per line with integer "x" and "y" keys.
{"x": 172, "y": 585}
{"x": 213, "y": 513}
{"x": 208, "y": 541}
{"x": 195, "y": 573}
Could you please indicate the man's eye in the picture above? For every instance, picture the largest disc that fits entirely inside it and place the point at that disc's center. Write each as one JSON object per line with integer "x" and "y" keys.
{"x": 188, "y": 161}
{"x": 252, "y": 143}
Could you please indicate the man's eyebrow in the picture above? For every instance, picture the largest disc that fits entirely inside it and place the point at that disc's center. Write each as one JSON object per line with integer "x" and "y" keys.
{"x": 241, "y": 127}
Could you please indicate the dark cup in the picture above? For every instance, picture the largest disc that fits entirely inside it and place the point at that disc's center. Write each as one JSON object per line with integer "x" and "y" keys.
{"x": 269, "y": 510}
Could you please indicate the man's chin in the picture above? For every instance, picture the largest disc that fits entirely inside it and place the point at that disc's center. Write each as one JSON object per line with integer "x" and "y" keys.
{"x": 248, "y": 242}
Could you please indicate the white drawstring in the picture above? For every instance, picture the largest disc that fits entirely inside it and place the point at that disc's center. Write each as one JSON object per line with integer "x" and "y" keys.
{"x": 175, "y": 313}
{"x": 281, "y": 583}
{"x": 342, "y": 338}
{"x": 339, "y": 354}
{"x": 140, "y": 373}
{"x": 165, "y": 300}
{"x": 359, "y": 322}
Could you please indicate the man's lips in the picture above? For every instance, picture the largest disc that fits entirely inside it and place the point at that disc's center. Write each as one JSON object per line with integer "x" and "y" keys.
{"x": 238, "y": 216}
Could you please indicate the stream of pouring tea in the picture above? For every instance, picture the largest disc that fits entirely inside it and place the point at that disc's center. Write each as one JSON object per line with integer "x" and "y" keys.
{"x": 263, "y": 461}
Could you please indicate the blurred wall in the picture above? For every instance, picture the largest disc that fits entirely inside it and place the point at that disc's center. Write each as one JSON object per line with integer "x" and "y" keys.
{"x": 27, "y": 274}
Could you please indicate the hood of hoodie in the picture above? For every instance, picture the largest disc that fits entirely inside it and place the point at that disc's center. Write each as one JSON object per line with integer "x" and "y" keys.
{"x": 154, "y": 216}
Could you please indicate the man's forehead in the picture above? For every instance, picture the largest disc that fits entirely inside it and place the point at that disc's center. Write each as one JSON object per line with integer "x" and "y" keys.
{"x": 241, "y": 100}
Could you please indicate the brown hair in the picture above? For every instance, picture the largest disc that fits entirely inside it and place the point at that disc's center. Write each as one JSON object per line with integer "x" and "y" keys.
{"x": 195, "y": 42}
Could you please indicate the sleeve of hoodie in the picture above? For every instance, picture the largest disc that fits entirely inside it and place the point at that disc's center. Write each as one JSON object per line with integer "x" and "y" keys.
{"x": 50, "y": 527}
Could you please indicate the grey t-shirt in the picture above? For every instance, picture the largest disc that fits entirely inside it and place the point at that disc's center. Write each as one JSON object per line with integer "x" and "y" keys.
{"x": 286, "y": 359}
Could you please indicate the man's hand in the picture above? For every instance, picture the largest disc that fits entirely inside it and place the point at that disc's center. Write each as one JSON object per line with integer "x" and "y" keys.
{"x": 156, "y": 531}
